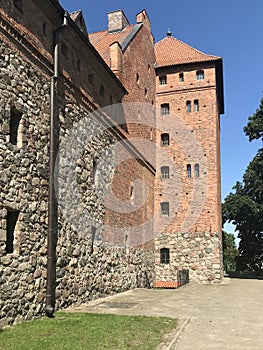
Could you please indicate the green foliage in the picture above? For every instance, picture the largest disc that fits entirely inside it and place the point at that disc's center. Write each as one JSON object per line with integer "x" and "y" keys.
{"x": 230, "y": 252}
{"x": 75, "y": 331}
{"x": 254, "y": 128}
{"x": 245, "y": 207}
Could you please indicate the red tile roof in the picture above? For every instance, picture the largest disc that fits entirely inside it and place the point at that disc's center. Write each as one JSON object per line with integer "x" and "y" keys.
{"x": 103, "y": 40}
{"x": 171, "y": 51}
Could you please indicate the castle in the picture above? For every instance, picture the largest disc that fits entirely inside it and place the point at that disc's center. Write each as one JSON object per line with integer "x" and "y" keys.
{"x": 110, "y": 159}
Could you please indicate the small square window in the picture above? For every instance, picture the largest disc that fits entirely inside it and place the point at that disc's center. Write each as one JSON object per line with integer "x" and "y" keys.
{"x": 163, "y": 80}
{"x": 165, "y": 172}
{"x": 165, "y": 209}
{"x": 165, "y": 109}
{"x": 165, "y": 139}
{"x": 181, "y": 77}
{"x": 200, "y": 75}
{"x": 165, "y": 256}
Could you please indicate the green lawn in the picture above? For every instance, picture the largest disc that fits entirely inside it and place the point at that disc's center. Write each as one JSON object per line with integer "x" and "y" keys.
{"x": 74, "y": 331}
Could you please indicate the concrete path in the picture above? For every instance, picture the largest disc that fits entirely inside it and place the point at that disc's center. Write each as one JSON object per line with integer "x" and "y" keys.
{"x": 225, "y": 316}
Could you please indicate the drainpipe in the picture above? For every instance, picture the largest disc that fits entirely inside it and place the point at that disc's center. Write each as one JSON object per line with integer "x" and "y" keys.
{"x": 52, "y": 224}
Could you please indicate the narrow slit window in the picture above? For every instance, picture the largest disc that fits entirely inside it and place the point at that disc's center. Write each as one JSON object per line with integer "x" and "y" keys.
{"x": 165, "y": 172}
{"x": 188, "y": 106}
{"x": 165, "y": 256}
{"x": 165, "y": 109}
{"x": 93, "y": 235}
{"x": 14, "y": 124}
{"x": 189, "y": 171}
{"x": 11, "y": 221}
{"x": 196, "y": 105}
{"x": 197, "y": 171}
{"x": 102, "y": 90}
{"x": 165, "y": 209}
{"x": 165, "y": 139}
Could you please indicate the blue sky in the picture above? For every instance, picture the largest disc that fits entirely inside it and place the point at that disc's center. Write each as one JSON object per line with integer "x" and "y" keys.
{"x": 231, "y": 29}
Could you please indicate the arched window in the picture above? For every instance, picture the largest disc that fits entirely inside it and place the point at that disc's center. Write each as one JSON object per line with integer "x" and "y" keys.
{"x": 165, "y": 208}
{"x": 165, "y": 172}
{"x": 188, "y": 106}
{"x": 189, "y": 171}
{"x": 165, "y": 256}
{"x": 14, "y": 125}
{"x": 165, "y": 109}
{"x": 200, "y": 75}
{"x": 196, "y": 105}
{"x": 165, "y": 139}
{"x": 196, "y": 170}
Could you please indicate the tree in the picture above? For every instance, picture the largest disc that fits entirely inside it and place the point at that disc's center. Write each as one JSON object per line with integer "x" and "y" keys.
{"x": 230, "y": 252}
{"x": 245, "y": 207}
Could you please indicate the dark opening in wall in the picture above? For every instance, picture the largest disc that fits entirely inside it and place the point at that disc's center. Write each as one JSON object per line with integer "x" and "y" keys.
{"x": 11, "y": 220}
{"x": 93, "y": 234}
{"x": 14, "y": 124}
{"x": 165, "y": 256}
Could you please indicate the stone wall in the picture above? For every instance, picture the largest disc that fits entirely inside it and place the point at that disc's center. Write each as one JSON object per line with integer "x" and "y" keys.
{"x": 87, "y": 267}
{"x": 198, "y": 252}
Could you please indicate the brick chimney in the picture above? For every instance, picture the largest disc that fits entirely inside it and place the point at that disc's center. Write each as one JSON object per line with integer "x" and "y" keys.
{"x": 117, "y": 21}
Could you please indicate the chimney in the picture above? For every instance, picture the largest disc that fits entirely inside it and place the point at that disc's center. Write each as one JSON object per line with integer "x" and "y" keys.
{"x": 117, "y": 21}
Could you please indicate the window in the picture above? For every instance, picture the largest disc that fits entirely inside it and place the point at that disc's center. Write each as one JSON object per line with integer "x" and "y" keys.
{"x": 165, "y": 172}
{"x": 145, "y": 92}
{"x": 91, "y": 78}
{"x": 165, "y": 209}
{"x": 188, "y": 106}
{"x": 78, "y": 64}
{"x": 14, "y": 125}
{"x": 165, "y": 256}
{"x": 95, "y": 173}
{"x": 181, "y": 77}
{"x": 189, "y": 171}
{"x": 93, "y": 234}
{"x": 165, "y": 139}
{"x": 11, "y": 220}
{"x": 196, "y": 105}
{"x": 165, "y": 109}
{"x": 44, "y": 27}
{"x": 18, "y": 4}
{"x": 102, "y": 90}
{"x": 200, "y": 75}
{"x": 196, "y": 170}
{"x": 137, "y": 78}
{"x": 163, "y": 80}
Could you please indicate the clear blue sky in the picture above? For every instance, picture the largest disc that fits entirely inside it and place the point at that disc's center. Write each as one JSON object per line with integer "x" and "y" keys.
{"x": 232, "y": 29}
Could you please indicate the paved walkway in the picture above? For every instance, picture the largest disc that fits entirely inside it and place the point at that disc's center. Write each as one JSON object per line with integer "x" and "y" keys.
{"x": 225, "y": 316}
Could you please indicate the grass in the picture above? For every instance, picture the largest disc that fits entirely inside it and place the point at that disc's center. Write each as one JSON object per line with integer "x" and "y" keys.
{"x": 75, "y": 331}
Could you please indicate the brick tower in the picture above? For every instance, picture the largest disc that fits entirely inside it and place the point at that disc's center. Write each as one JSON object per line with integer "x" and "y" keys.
{"x": 189, "y": 87}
